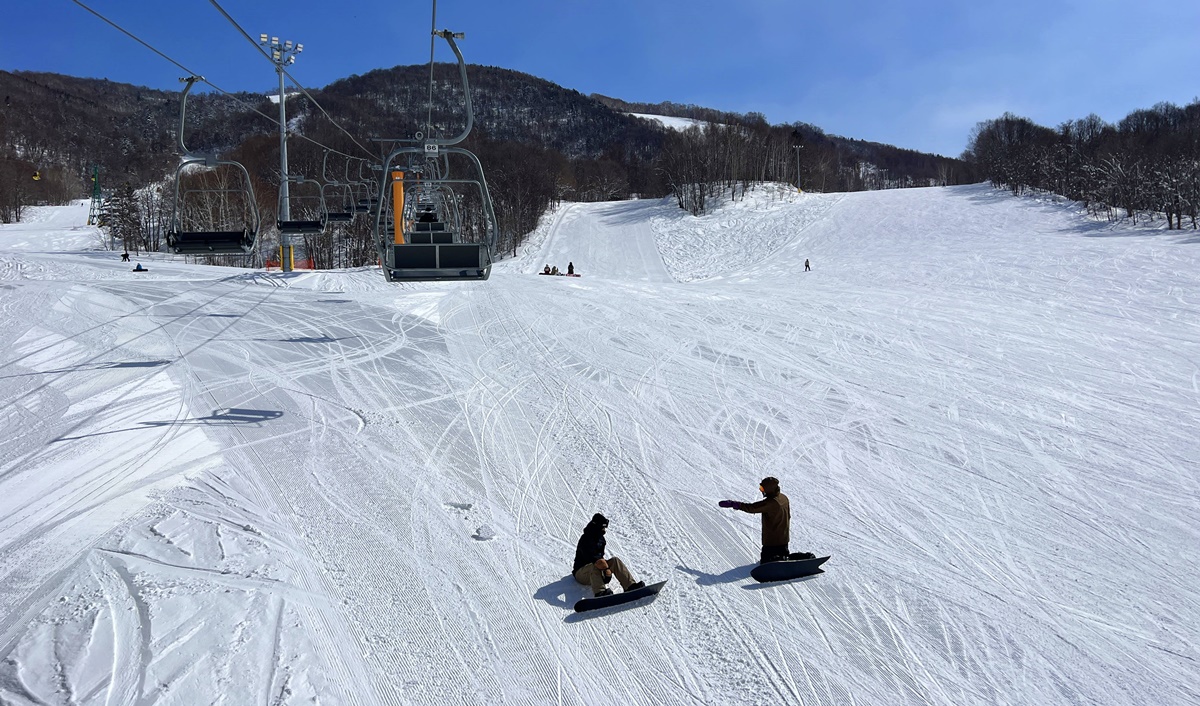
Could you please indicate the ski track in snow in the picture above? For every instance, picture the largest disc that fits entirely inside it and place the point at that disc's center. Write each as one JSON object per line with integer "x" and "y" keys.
{"x": 221, "y": 486}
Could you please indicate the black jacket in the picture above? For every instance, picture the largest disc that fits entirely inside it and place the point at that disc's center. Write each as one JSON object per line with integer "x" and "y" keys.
{"x": 590, "y": 548}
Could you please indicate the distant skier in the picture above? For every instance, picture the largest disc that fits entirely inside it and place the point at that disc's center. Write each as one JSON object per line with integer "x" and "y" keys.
{"x": 570, "y": 268}
{"x": 592, "y": 569}
{"x": 776, "y": 521}
{"x": 806, "y": 267}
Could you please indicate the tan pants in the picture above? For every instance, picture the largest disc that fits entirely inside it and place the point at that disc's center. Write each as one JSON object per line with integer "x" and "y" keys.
{"x": 589, "y": 575}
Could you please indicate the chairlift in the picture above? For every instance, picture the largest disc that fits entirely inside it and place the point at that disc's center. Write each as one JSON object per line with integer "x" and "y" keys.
{"x": 209, "y": 202}
{"x": 337, "y": 195}
{"x": 433, "y": 249}
{"x": 366, "y": 190}
{"x": 310, "y": 203}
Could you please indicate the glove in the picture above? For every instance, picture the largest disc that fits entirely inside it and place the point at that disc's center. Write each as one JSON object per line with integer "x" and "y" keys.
{"x": 607, "y": 576}
{"x": 731, "y": 503}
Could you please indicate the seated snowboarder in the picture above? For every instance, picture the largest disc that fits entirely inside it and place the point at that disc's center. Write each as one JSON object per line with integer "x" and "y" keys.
{"x": 546, "y": 270}
{"x": 570, "y": 268}
{"x": 776, "y": 514}
{"x": 592, "y": 569}
{"x": 554, "y": 270}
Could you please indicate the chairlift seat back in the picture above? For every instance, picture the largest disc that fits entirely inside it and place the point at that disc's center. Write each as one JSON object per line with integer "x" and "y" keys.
{"x": 210, "y": 242}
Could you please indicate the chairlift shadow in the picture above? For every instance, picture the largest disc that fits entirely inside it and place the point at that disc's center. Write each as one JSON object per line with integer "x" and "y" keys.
{"x": 94, "y": 366}
{"x": 232, "y": 415}
{"x": 314, "y": 339}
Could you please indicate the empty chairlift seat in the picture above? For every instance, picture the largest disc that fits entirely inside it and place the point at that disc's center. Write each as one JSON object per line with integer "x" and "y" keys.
{"x": 210, "y": 242}
{"x": 202, "y": 181}
{"x": 438, "y": 261}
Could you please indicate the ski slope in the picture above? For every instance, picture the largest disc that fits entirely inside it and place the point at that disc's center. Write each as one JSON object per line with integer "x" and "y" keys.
{"x": 230, "y": 486}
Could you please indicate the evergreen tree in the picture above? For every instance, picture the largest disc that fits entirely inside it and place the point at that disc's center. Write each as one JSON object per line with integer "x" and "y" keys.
{"x": 122, "y": 216}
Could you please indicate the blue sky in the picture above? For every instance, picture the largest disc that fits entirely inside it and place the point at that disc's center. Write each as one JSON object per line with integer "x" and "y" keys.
{"x": 917, "y": 74}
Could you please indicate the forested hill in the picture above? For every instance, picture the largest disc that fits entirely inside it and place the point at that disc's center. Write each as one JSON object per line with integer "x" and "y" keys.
{"x": 540, "y": 142}
{"x": 52, "y": 120}
{"x": 509, "y": 106}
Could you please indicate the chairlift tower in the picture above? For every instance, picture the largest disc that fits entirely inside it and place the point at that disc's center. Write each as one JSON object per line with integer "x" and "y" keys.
{"x": 282, "y": 54}
{"x": 97, "y": 198}
{"x": 798, "y": 148}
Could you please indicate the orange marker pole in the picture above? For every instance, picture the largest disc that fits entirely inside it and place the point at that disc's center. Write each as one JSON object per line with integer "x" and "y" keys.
{"x": 397, "y": 207}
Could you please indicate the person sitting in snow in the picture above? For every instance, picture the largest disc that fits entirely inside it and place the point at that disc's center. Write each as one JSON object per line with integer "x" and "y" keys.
{"x": 592, "y": 569}
{"x": 570, "y": 268}
{"x": 776, "y": 514}
{"x": 546, "y": 271}
{"x": 554, "y": 270}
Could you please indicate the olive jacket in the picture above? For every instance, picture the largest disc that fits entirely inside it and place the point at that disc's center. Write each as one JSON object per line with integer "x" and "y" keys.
{"x": 777, "y": 518}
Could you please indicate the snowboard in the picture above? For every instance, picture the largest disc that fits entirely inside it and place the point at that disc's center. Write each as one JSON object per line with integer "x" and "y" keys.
{"x": 618, "y": 598}
{"x": 791, "y": 569}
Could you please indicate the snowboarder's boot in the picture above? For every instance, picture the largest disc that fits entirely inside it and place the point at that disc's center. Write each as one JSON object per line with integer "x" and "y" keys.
{"x": 801, "y": 556}
{"x": 635, "y": 586}
{"x": 603, "y": 592}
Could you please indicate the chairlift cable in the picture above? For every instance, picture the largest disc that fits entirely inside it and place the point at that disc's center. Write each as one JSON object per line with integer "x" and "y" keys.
{"x": 212, "y": 85}
{"x": 293, "y": 80}
{"x": 432, "y": 42}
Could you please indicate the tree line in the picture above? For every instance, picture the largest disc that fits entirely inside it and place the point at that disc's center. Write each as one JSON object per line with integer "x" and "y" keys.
{"x": 1146, "y": 166}
{"x": 539, "y": 143}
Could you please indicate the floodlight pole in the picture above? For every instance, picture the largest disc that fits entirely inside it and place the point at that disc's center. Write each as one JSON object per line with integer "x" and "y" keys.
{"x": 282, "y": 54}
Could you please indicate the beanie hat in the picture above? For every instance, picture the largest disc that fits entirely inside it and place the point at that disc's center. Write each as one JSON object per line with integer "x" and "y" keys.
{"x": 599, "y": 519}
{"x": 770, "y": 484}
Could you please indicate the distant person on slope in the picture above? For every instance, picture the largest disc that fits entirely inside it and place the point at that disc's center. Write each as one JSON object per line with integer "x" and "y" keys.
{"x": 806, "y": 267}
{"x": 546, "y": 271}
{"x": 570, "y": 268}
{"x": 124, "y": 257}
{"x": 554, "y": 270}
{"x": 592, "y": 569}
{"x": 776, "y": 514}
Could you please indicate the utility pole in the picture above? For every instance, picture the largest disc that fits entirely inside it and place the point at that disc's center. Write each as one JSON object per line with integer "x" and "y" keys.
{"x": 282, "y": 54}
{"x": 798, "y": 148}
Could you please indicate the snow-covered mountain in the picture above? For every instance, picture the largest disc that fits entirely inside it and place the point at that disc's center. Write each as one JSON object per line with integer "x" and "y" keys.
{"x": 232, "y": 486}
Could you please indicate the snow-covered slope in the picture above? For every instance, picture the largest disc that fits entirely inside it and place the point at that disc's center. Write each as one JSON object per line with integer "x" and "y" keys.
{"x": 246, "y": 487}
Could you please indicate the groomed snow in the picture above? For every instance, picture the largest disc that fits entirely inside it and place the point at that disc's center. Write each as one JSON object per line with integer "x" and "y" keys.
{"x": 229, "y": 486}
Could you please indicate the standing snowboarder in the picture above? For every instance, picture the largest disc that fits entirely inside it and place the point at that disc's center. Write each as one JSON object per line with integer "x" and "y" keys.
{"x": 592, "y": 569}
{"x": 806, "y": 267}
{"x": 776, "y": 514}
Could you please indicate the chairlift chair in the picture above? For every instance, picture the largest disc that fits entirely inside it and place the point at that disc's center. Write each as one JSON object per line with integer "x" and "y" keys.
{"x": 183, "y": 236}
{"x": 337, "y": 195}
{"x": 311, "y": 203}
{"x": 444, "y": 256}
